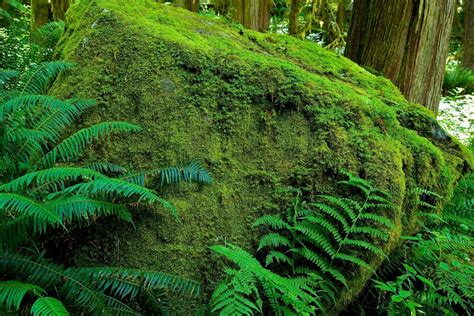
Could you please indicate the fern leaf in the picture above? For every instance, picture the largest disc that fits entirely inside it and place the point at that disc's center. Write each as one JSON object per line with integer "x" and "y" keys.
{"x": 48, "y": 175}
{"x": 378, "y": 219}
{"x": 332, "y": 212}
{"x": 27, "y": 206}
{"x": 72, "y": 147}
{"x": 105, "y": 167}
{"x": 32, "y": 101}
{"x": 316, "y": 237}
{"x": 13, "y": 292}
{"x": 273, "y": 221}
{"x": 342, "y": 204}
{"x": 193, "y": 172}
{"x": 276, "y": 256}
{"x": 37, "y": 79}
{"x": 48, "y": 306}
{"x": 273, "y": 240}
{"x": 354, "y": 260}
{"x": 363, "y": 244}
{"x": 83, "y": 208}
{"x": 370, "y": 231}
{"x": 325, "y": 224}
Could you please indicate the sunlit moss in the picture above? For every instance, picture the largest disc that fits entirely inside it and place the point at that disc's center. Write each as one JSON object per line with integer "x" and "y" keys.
{"x": 260, "y": 111}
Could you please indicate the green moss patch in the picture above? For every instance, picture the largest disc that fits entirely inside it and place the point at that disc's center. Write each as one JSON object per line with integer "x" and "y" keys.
{"x": 260, "y": 111}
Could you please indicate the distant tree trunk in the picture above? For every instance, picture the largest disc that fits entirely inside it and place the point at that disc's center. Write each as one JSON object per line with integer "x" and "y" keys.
{"x": 468, "y": 55}
{"x": 253, "y": 14}
{"x": 39, "y": 13}
{"x": 59, "y": 8}
{"x": 341, "y": 14}
{"x": 295, "y": 11}
{"x": 191, "y": 5}
{"x": 407, "y": 41}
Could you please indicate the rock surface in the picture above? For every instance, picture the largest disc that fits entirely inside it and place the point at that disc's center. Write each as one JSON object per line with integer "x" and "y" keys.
{"x": 261, "y": 111}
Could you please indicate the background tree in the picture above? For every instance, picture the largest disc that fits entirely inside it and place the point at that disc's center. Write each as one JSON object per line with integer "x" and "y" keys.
{"x": 39, "y": 13}
{"x": 407, "y": 41}
{"x": 191, "y": 5}
{"x": 468, "y": 56}
{"x": 59, "y": 8}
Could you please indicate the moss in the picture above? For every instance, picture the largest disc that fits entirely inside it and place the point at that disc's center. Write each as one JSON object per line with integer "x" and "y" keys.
{"x": 261, "y": 111}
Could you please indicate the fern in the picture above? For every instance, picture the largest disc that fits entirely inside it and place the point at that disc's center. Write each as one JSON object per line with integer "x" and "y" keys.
{"x": 13, "y": 292}
{"x": 239, "y": 294}
{"x": 41, "y": 189}
{"x": 48, "y": 306}
{"x": 324, "y": 237}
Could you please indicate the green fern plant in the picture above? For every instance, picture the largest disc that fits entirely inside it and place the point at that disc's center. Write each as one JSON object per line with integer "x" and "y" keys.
{"x": 315, "y": 245}
{"x": 239, "y": 293}
{"x": 324, "y": 238}
{"x": 433, "y": 269}
{"x": 43, "y": 187}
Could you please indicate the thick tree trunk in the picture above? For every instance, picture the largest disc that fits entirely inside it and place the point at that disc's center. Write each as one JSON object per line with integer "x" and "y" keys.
{"x": 407, "y": 41}
{"x": 295, "y": 11}
{"x": 39, "y": 13}
{"x": 468, "y": 56}
{"x": 191, "y": 5}
{"x": 59, "y": 8}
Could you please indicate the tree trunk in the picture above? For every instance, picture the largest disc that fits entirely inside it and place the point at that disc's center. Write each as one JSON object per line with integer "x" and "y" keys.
{"x": 341, "y": 14}
{"x": 295, "y": 10}
{"x": 407, "y": 41}
{"x": 191, "y": 5}
{"x": 253, "y": 14}
{"x": 39, "y": 13}
{"x": 468, "y": 55}
{"x": 59, "y": 8}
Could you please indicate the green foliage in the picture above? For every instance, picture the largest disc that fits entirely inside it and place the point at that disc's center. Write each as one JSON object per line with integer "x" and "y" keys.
{"x": 432, "y": 272}
{"x": 20, "y": 48}
{"x": 318, "y": 244}
{"x": 42, "y": 187}
{"x": 239, "y": 294}
{"x": 93, "y": 290}
{"x": 457, "y": 77}
{"x": 327, "y": 237}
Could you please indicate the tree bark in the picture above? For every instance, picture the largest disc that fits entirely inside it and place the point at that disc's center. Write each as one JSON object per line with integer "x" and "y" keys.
{"x": 468, "y": 55}
{"x": 253, "y": 14}
{"x": 39, "y": 13}
{"x": 295, "y": 11}
{"x": 191, "y": 5}
{"x": 405, "y": 40}
{"x": 59, "y": 8}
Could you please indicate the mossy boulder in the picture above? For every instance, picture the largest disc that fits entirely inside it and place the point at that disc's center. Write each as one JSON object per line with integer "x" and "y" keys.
{"x": 261, "y": 111}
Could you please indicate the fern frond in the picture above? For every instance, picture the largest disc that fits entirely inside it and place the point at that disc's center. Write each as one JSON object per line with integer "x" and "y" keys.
{"x": 7, "y": 75}
{"x": 354, "y": 260}
{"x": 327, "y": 225}
{"x": 48, "y": 306}
{"x": 273, "y": 221}
{"x": 363, "y": 244}
{"x": 273, "y": 240}
{"x": 78, "y": 208}
{"x": 194, "y": 172}
{"x": 105, "y": 167}
{"x": 278, "y": 257}
{"x": 38, "y": 79}
{"x": 378, "y": 219}
{"x": 22, "y": 204}
{"x": 72, "y": 147}
{"x": 32, "y": 101}
{"x": 48, "y": 175}
{"x": 332, "y": 212}
{"x": 370, "y": 231}
{"x": 316, "y": 237}
{"x": 342, "y": 204}
{"x": 13, "y": 292}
